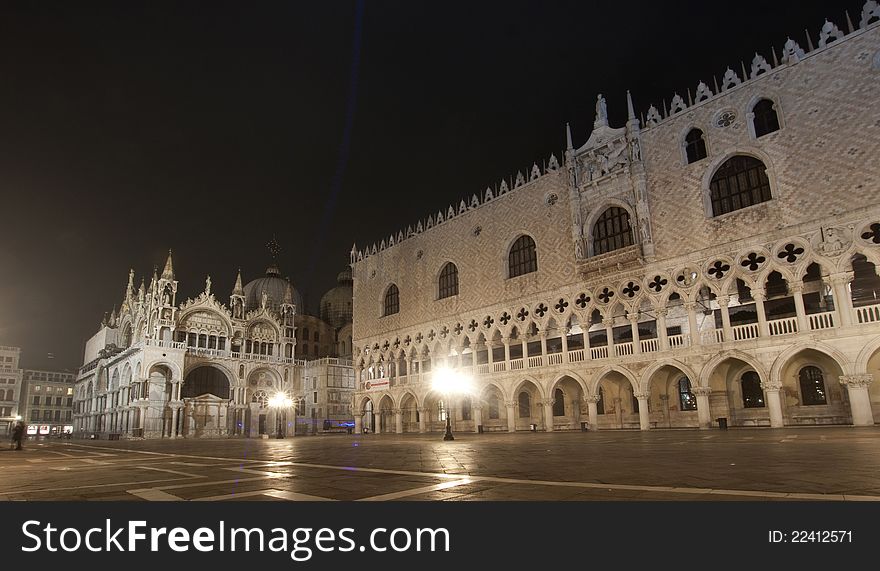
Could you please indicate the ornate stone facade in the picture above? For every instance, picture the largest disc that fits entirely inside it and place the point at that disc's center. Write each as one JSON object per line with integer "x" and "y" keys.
{"x": 716, "y": 259}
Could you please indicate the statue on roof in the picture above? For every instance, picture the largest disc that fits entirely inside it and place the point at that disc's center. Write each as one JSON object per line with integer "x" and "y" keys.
{"x": 601, "y": 112}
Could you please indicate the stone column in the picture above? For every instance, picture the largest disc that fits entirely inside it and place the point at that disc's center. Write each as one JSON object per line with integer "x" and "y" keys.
{"x": 842, "y": 301}
{"x": 525, "y": 351}
{"x": 644, "y": 414}
{"x": 398, "y": 421}
{"x": 358, "y": 422}
{"x": 763, "y": 328}
{"x": 634, "y": 326}
{"x": 478, "y": 417}
{"x": 693, "y": 330}
{"x": 797, "y": 292}
{"x": 511, "y": 416}
{"x": 506, "y": 341}
{"x": 543, "y": 336}
{"x": 662, "y": 336}
{"x": 664, "y": 402}
{"x": 175, "y": 413}
{"x": 723, "y": 303}
{"x": 548, "y": 414}
{"x": 564, "y": 338}
{"x": 423, "y": 422}
{"x": 608, "y": 322}
{"x": 703, "y": 411}
{"x": 774, "y": 402}
{"x": 859, "y": 400}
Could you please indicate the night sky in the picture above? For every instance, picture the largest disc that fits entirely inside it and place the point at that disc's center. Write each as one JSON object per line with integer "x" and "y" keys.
{"x": 126, "y": 130}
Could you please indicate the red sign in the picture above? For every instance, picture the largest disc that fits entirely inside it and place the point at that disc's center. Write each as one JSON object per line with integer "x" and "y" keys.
{"x": 377, "y": 384}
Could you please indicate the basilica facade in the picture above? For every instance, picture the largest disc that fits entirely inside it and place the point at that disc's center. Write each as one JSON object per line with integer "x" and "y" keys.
{"x": 158, "y": 368}
{"x": 713, "y": 258}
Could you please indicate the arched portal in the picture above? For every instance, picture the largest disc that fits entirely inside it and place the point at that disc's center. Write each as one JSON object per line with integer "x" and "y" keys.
{"x": 205, "y": 393}
{"x": 568, "y": 399}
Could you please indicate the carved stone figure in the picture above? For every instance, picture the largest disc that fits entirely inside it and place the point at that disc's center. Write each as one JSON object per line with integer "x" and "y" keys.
{"x": 833, "y": 241}
{"x": 208, "y": 285}
{"x": 601, "y": 111}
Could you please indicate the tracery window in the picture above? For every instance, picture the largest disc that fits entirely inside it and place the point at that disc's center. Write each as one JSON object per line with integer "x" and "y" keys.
{"x": 695, "y": 146}
{"x": 448, "y": 282}
{"x": 612, "y": 231}
{"x": 392, "y": 300}
{"x": 765, "y": 118}
{"x": 523, "y": 257}
{"x": 739, "y": 183}
{"x": 558, "y": 403}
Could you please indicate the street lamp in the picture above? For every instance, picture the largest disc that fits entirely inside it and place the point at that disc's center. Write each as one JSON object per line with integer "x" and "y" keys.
{"x": 279, "y": 402}
{"x": 449, "y": 382}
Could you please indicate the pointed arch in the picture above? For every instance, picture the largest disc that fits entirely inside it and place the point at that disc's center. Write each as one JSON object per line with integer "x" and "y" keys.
{"x": 712, "y": 364}
{"x": 599, "y": 375}
{"x": 835, "y": 354}
{"x": 650, "y": 371}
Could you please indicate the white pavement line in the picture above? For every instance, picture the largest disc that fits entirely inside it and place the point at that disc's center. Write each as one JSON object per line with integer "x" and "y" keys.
{"x": 280, "y": 494}
{"x": 154, "y": 495}
{"x": 258, "y": 472}
{"x": 209, "y": 483}
{"x": 91, "y": 486}
{"x": 170, "y": 471}
{"x": 416, "y": 491}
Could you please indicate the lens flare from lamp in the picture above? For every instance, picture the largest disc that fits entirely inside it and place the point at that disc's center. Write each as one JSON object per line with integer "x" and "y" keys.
{"x": 448, "y": 381}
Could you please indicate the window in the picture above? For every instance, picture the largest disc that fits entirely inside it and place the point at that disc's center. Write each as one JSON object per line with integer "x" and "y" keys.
{"x": 612, "y": 231}
{"x": 35, "y": 414}
{"x": 523, "y": 257}
{"x": 57, "y": 401}
{"x": 686, "y": 398}
{"x": 753, "y": 395}
{"x": 37, "y": 400}
{"x": 812, "y": 386}
{"x": 57, "y": 415}
{"x": 740, "y": 182}
{"x": 525, "y": 405}
{"x": 448, "y": 281}
{"x": 493, "y": 408}
{"x": 600, "y": 404}
{"x": 392, "y": 300}
{"x": 695, "y": 146}
{"x": 558, "y": 403}
{"x": 765, "y": 120}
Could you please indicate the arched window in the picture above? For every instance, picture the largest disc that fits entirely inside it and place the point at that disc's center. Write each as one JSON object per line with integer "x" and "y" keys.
{"x": 738, "y": 183}
{"x": 392, "y": 300}
{"x": 523, "y": 257}
{"x": 525, "y": 405}
{"x": 753, "y": 395}
{"x": 695, "y": 146}
{"x": 261, "y": 398}
{"x": 448, "y": 283}
{"x": 812, "y": 386}
{"x": 686, "y": 398}
{"x": 612, "y": 231}
{"x": 493, "y": 407}
{"x": 558, "y": 403}
{"x": 600, "y": 404}
{"x": 766, "y": 120}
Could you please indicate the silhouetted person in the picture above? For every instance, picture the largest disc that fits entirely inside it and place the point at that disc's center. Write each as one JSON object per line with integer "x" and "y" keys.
{"x": 18, "y": 434}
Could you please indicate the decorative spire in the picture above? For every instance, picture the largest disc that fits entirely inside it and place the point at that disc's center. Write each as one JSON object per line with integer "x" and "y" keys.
{"x": 630, "y": 112}
{"x": 168, "y": 272}
{"x": 112, "y": 322}
{"x": 288, "y": 294}
{"x": 238, "y": 289}
{"x": 142, "y": 291}
{"x": 129, "y": 289}
{"x": 274, "y": 249}
{"x": 569, "y": 146}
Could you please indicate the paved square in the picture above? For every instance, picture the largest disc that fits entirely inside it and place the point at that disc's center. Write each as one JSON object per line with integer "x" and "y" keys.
{"x": 834, "y": 463}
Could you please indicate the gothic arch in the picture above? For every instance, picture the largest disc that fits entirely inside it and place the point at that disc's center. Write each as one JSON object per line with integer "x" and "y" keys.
{"x": 712, "y": 364}
{"x": 401, "y": 398}
{"x": 598, "y": 376}
{"x": 539, "y": 386}
{"x": 861, "y": 364}
{"x": 650, "y": 371}
{"x": 714, "y": 164}
{"x": 492, "y": 385}
{"x": 829, "y": 351}
{"x": 597, "y": 212}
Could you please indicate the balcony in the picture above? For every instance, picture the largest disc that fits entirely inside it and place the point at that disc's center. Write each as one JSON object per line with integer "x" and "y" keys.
{"x": 786, "y": 326}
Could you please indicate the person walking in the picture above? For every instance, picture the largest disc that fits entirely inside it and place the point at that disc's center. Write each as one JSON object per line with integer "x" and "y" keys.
{"x": 18, "y": 434}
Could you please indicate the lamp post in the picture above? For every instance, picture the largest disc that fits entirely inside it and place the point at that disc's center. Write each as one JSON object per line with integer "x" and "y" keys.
{"x": 449, "y": 382}
{"x": 279, "y": 402}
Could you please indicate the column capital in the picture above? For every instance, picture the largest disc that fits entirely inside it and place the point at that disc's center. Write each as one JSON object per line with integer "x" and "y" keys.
{"x": 796, "y": 287}
{"x": 548, "y": 402}
{"x": 397, "y": 411}
{"x": 723, "y": 300}
{"x": 608, "y": 321}
{"x": 662, "y": 312}
{"x": 689, "y": 305}
{"x": 632, "y": 316}
{"x": 840, "y": 278}
{"x": 592, "y": 398}
{"x": 476, "y": 407}
{"x": 510, "y": 404}
{"x": 642, "y": 396}
{"x": 422, "y": 409}
{"x": 701, "y": 391}
{"x": 856, "y": 381}
{"x": 771, "y": 385}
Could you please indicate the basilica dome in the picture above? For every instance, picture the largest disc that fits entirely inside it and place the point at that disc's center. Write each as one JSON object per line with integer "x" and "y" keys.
{"x": 336, "y": 303}
{"x": 274, "y": 286}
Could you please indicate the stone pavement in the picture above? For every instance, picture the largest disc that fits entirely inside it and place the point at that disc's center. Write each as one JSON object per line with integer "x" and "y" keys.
{"x": 833, "y": 463}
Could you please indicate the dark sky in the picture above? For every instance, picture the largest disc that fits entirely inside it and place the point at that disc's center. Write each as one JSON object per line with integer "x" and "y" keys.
{"x": 128, "y": 129}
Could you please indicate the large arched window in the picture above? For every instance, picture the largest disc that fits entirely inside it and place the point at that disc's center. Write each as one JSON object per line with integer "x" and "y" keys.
{"x": 205, "y": 380}
{"x": 686, "y": 398}
{"x": 558, "y": 403}
{"x": 392, "y": 300}
{"x": 738, "y": 183}
{"x": 448, "y": 282}
{"x": 766, "y": 120}
{"x": 812, "y": 386}
{"x": 695, "y": 146}
{"x": 612, "y": 231}
{"x": 525, "y": 405}
{"x": 753, "y": 395}
{"x": 523, "y": 257}
{"x": 600, "y": 404}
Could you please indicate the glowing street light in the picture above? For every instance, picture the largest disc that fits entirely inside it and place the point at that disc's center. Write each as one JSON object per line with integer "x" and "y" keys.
{"x": 449, "y": 382}
{"x": 280, "y": 402}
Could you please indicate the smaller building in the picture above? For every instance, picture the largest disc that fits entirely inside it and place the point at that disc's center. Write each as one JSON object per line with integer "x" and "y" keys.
{"x": 324, "y": 403}
{"x": 10, "y": 388}
{"x": 46, "y": 403}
